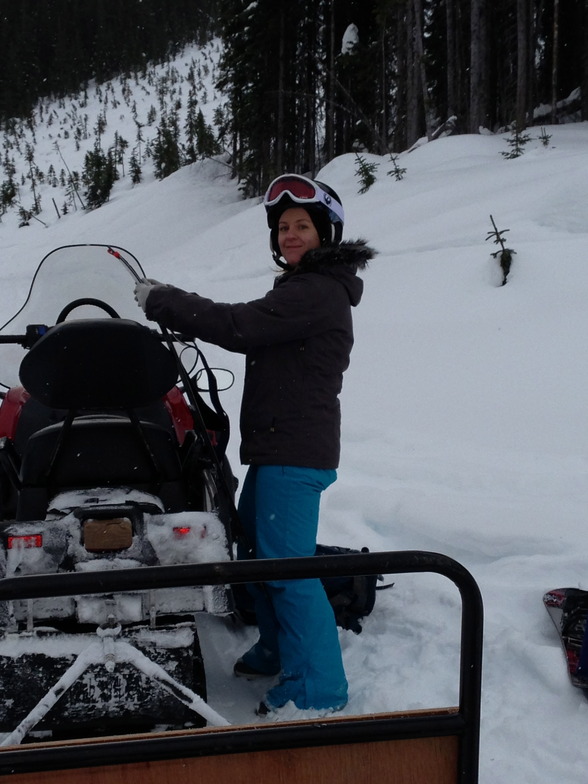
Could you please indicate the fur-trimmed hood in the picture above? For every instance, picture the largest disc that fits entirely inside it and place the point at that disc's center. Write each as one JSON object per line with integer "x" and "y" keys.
{"x": 350, "y": 253}
{"x": 336, "y": 261}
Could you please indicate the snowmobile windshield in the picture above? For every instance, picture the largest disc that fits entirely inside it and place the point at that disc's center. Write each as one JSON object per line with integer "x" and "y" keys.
{"x": 103, "y": 276}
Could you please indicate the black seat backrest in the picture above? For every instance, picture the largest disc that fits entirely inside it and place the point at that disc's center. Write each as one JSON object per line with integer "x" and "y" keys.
{"x": 97, "y": 364}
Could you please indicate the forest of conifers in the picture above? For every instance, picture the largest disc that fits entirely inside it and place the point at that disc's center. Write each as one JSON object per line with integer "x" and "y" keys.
{"x": 305, "y": 80}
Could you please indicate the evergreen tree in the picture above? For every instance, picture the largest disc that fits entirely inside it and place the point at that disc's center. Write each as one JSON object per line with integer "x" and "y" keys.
{"x": 504, "y": 255}
{"x": 206, "y": 144}
{"x": 72, "y": 190}
{"x": 516, "y": 142}
{"x": 33, "y": 176}
{"x": 250, "y": 77}
{"x": 135, "y": 169}
{"x": 191, "y": 128}
{"x": 396, "y": 171}
{"x": 118, "y": 151}
{"x": 166, "y": 152}
{"x": 99, "y": 175}
{"x": 366, "y": 172}
{"x": 8, "y": 194}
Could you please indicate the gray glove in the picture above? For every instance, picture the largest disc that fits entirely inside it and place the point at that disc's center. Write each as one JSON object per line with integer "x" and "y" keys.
{"x": 142, "y": 289}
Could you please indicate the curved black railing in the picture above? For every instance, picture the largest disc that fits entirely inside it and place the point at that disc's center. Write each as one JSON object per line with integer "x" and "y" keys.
{"x": 464, "y": 723}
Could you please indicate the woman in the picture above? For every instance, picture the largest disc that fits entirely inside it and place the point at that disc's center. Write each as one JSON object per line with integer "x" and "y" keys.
{"x": 297, "y": 340}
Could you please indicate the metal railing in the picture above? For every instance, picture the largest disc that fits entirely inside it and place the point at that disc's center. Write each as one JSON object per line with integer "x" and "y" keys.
{"x": 464, "y": 723}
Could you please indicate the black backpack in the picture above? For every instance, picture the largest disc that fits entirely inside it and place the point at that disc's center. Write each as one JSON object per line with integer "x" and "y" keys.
{"x": 352, "y": 598}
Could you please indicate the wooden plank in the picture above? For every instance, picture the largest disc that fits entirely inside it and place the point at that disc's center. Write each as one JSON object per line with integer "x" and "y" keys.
{"x": 432, "y": 760}
{"x": 336, "y": 719}
{"x": 407, "y": 761}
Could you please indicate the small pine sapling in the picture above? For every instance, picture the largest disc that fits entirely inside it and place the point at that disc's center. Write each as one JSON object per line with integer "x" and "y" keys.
{"x": 516, "y": 142}
{"x": 366, "y": 172}
{"x": 397, "y": 172}
{"x": 504, "y": 255}
{"x": 25, "y": 217}
{"x": 544, "y": 137}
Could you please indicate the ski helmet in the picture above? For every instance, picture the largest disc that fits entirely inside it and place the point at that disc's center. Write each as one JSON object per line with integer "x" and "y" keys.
{"x": 320, "y": 201}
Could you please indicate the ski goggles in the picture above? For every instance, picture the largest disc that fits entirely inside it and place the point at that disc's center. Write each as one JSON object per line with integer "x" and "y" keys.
{"x": 302, "y": 191}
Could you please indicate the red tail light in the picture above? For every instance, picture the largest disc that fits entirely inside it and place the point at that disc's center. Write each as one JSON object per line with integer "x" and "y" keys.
{"x": 181, "y": 531}
{"x": 25, "y": 541}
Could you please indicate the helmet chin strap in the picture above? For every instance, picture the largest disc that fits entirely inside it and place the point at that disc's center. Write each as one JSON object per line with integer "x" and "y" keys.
{"x": 283, "y": 264}
{"x": 277, "y": 257}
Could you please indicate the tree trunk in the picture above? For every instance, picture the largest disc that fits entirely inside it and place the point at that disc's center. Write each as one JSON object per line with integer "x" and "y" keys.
{"x": 584, "y": 114}
{"x": 281, "y": 130}
{"x": 420, "y": 56}
{"x": 412, "y": 102}
{"x": 451, "y": 56}
{"x": 330, "y": 86}
{"x": 554, "y": 60}
{"x": 523, "y": 16}
{"x": 478, "y": 66}
{"x": 383, "y": 90}
{"x": 400, "y": 109}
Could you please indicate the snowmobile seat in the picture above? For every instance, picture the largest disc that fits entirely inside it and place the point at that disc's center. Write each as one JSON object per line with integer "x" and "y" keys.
{"x": 100, "y": 451}
{"x": 34, "y": 416}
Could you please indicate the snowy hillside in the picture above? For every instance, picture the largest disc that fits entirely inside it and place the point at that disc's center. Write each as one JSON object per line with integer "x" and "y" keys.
{"x": 464, "y": 429}
{"x": 44, "y": 155}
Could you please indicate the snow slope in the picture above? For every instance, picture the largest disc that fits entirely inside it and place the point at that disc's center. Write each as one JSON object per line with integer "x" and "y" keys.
{"x": 464, "y": 427}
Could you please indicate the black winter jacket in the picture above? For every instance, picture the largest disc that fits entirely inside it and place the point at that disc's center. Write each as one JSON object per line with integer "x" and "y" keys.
{"x": 297, "y": 340}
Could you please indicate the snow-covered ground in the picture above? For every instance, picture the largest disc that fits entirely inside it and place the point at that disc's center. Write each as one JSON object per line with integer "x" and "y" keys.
{"x": 464, "y": 422}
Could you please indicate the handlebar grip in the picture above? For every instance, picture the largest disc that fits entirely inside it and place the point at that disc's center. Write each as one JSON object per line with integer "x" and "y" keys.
{"x": 33, "y": 333}
{"x": 21, "y": 339}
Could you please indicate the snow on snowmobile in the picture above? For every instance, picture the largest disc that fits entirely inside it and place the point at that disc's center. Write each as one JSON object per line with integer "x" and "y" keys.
{"x": 109, "y": 459}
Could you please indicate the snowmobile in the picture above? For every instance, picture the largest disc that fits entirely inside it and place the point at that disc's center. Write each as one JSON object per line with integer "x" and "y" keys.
{"x": 110, "y": 458}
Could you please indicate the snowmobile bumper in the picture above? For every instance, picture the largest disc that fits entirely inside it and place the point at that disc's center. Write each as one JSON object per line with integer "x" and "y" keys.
{"x": 104, "y": 682}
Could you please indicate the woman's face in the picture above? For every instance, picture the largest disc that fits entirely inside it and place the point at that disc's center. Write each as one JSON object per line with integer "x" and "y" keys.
{"x": 296, "y": 234}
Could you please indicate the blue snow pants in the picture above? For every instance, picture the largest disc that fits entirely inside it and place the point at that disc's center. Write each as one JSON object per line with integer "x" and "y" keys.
{"x": 298, "y": 638}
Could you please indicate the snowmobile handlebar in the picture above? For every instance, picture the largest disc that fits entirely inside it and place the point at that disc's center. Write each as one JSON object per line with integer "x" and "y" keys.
{"x": 33, "y": 333}
{"x": 36, "y": 331}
